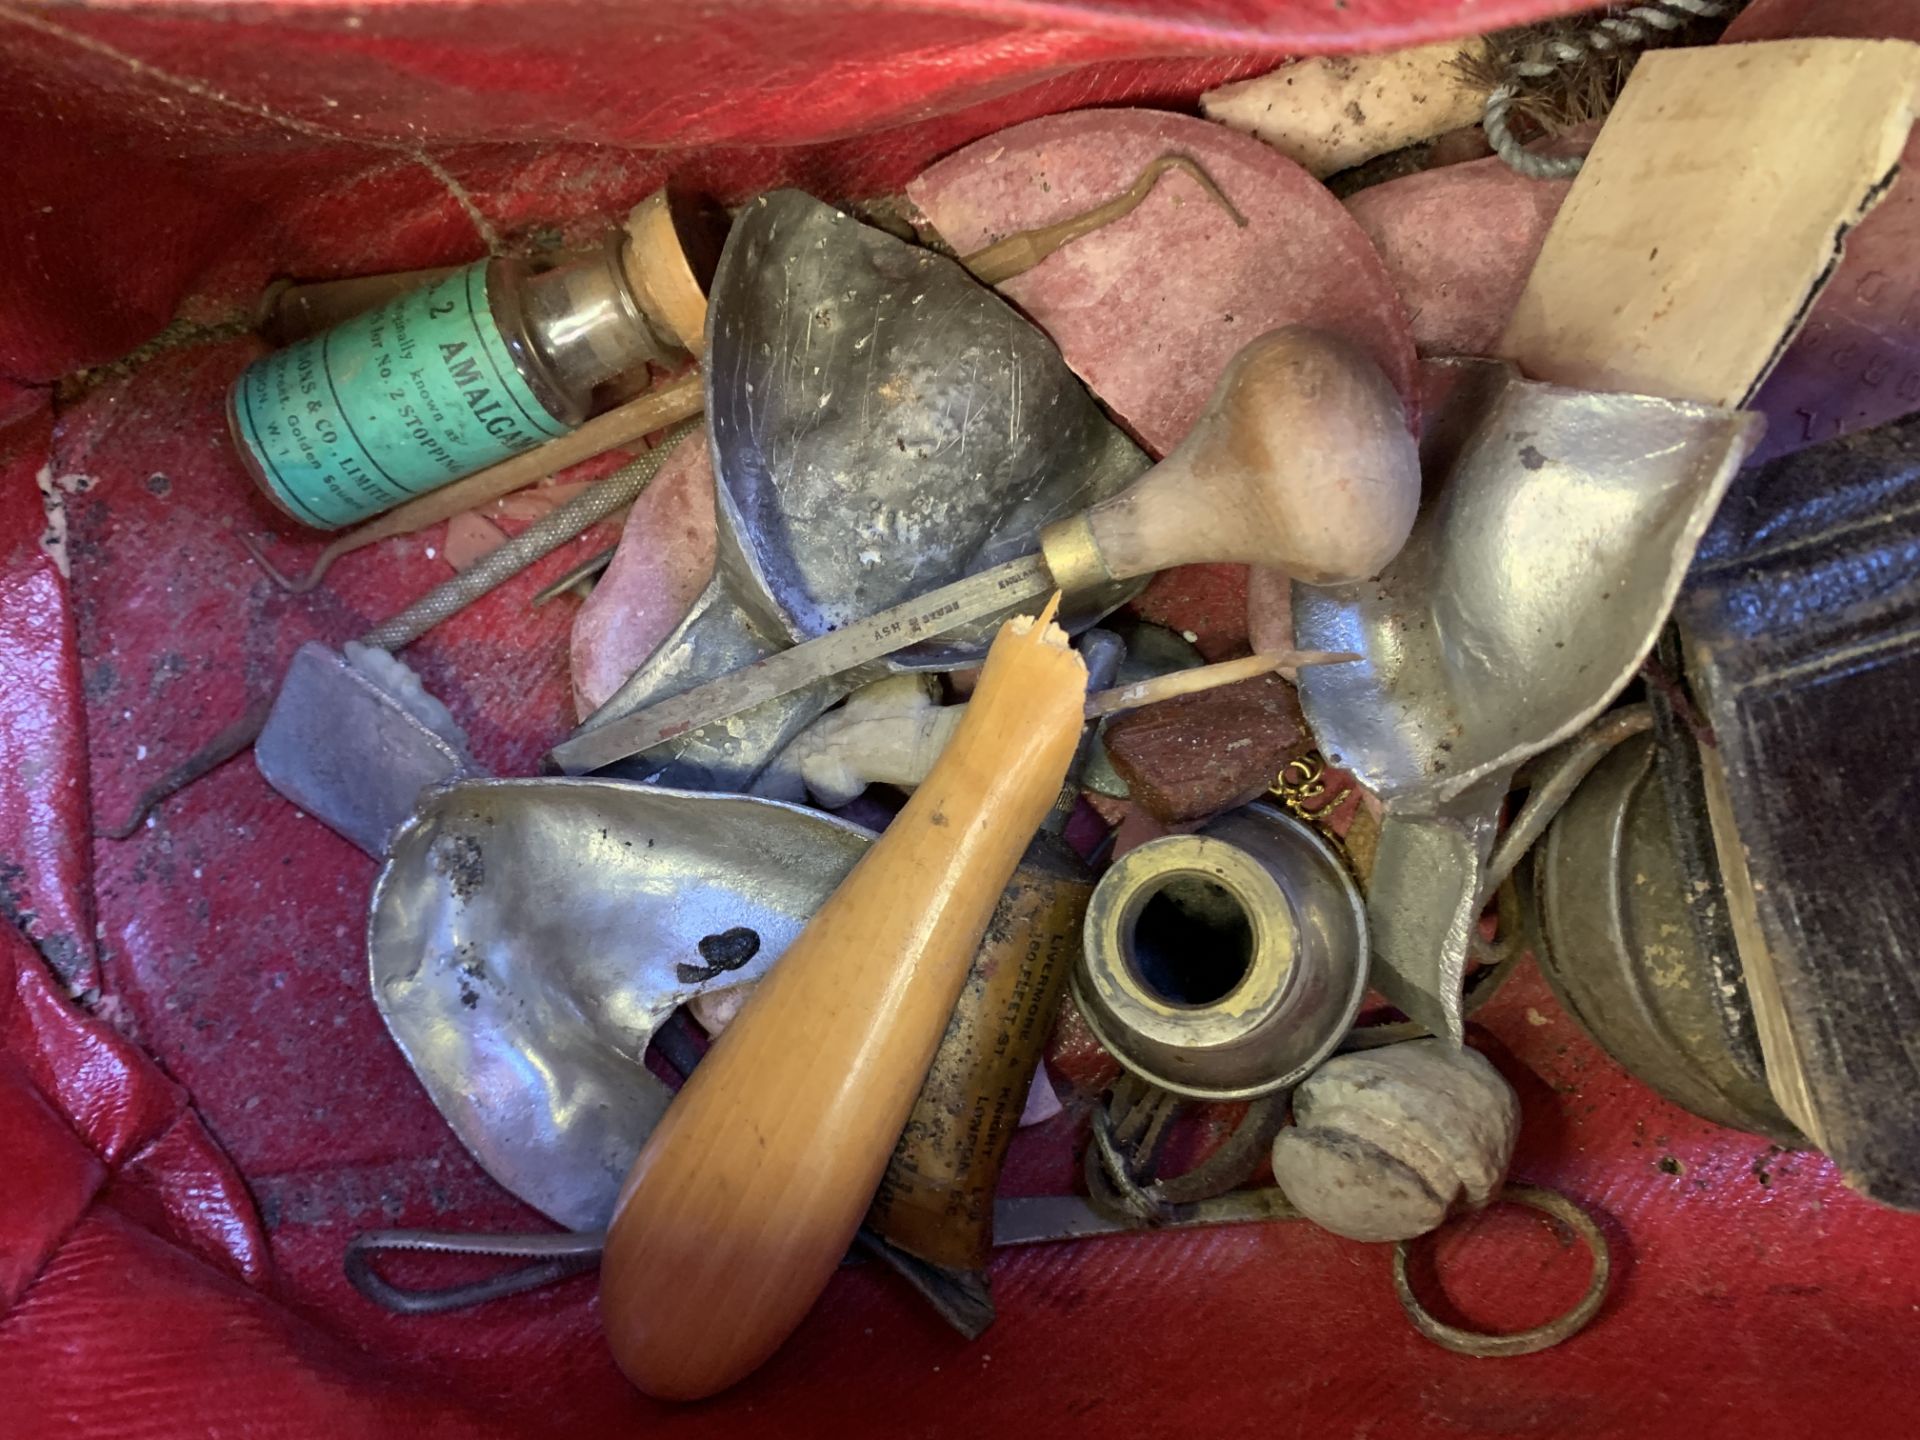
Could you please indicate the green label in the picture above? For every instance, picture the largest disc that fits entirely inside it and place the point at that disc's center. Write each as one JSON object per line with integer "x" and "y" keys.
{"x": 389, "y": 405}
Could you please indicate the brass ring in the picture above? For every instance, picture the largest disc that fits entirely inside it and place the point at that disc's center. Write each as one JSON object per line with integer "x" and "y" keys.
{"x": 1540, "y": 1337}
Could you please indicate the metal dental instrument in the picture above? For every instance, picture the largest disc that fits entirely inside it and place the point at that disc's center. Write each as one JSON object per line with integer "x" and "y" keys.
{"x": 553, "y": 1257}
{"x": 1302, "y": 460}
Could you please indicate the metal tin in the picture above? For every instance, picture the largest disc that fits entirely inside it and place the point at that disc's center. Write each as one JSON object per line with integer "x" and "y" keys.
{"x": 1614, "y": 944}
{"x": 1227, "y": 964}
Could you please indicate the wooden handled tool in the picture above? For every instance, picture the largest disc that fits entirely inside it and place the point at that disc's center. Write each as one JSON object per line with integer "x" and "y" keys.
{"x": 747, "y": 1194}
{"x": 1302, "y": 461}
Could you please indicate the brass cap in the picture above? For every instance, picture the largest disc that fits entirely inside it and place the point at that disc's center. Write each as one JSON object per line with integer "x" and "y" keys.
{"x": 1073, "y": 555}
{"x": 1224, "y": 965}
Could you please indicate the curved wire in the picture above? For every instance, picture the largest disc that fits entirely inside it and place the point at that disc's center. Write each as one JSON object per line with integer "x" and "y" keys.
{"x": 1633, "y": 29}
{"x": 556, "y": 1257}
{"x": 1540, "y": 1337}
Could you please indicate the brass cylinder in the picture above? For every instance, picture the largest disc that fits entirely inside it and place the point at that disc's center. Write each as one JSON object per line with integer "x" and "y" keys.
{"x": 1073, "y": 555}
{"x": 1224, "y": 965}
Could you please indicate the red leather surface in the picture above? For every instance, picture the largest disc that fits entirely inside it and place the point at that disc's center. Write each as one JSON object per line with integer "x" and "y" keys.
{"x": 189, "y": 149}
{"x": 170, "y": 1265}
{"x": 128, "y": 1336}
{"x": 43, "y": 804}
{"x": 105, "y": 1121}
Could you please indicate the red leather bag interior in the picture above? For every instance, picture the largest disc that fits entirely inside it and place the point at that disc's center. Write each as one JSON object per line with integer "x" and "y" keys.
{"x": 198, "y": 1102}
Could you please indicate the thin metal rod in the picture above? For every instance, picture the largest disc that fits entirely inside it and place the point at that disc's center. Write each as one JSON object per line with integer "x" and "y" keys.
{"x": 623, "y": 425}
{"x": 585, "y": 570}
{"x": 556, "y": 1258}
{"x": 1569, "y": 766}
{"x": 441, "y": 603}
{"x": 537, "y": 541}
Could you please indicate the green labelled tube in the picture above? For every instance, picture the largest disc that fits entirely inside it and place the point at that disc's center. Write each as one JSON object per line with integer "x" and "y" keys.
{"x": 388, "y": 405}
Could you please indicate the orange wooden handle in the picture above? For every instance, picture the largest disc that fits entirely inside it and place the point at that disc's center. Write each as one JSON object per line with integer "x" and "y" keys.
{"x": 748, "y": 1193}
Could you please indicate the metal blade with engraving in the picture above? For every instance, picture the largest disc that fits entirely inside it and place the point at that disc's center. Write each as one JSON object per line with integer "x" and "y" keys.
{"x": 1302, "y": 460}
{"x": 785, "y": 671}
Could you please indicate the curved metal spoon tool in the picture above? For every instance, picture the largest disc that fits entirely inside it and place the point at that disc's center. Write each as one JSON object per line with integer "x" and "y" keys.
{"x": 881, "y": 424}
{"x": 1557, "y": 529}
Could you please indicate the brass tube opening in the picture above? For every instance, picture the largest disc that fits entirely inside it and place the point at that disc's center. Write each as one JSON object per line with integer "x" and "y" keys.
{"x": 1189, "y": 940}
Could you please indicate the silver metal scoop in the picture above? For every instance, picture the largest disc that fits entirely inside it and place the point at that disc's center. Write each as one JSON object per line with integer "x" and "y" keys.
{"x": 882, "y": 424}
{"x": 353, "y": 739}
{"x": 1554, "y": 536}
{"x": 527, "y": 937}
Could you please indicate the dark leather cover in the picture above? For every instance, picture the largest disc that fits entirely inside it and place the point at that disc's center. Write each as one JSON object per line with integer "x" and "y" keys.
{"x": 1802, "y": 630}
